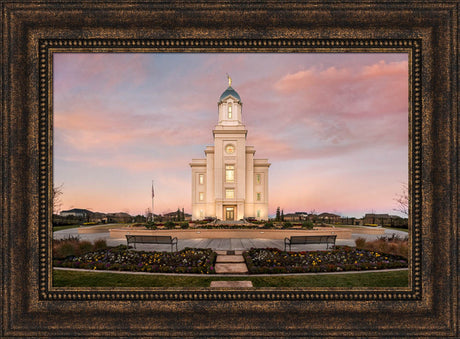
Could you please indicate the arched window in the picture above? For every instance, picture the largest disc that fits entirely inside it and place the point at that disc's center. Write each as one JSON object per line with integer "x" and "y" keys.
{"x": 229, "y": 111}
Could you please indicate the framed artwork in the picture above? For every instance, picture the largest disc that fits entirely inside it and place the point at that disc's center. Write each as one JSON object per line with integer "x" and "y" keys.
{"x": 91, "y": 90}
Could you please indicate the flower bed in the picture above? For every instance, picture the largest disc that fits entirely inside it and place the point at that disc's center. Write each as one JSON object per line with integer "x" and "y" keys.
{"x": 344, "y": 258}
{"x": 120, "y": 259}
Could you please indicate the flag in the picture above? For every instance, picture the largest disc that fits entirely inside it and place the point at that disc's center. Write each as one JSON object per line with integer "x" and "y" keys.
{"x": 153, "y": 193}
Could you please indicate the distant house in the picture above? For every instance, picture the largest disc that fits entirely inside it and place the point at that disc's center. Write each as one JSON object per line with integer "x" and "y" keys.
{"x": 297, "y": 216}
{"x": 76, "y": 212}
{"x": 119, "y": 217}
{"x": 96, "y": 217}
{"x": 172, "y": 216}
{"x": 384, "y": 219}
{"x": 328, "y": 217}
{"x": 350, "y": 221}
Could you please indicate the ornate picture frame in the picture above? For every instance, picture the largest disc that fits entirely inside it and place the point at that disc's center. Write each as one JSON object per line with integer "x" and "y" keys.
{"x": 33, "y": 31}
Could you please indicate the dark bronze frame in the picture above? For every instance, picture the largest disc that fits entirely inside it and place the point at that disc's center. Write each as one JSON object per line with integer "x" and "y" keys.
{"x": 32, "y": 31}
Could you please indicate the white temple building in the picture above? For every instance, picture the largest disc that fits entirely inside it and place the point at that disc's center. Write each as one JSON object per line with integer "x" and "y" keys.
{"x": 229, "y": 184}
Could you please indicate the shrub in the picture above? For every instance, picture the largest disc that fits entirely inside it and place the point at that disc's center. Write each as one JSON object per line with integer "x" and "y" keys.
{"x": 150, "y": 225}
{"x": 307, "y": 224}
{"x": 63, "y": 250}
{"x": 84, "y": 247}
{"x": 268, "y": 224}
{"x": 392, "y": 245}
{"x": 403, "y": 250}
{"x": 287, "y": 224}
{"x": 184, "y": 225}
{"x": 360, "y": 242}
{"x": 100, "y": 244}
{"x": 170, "y": 225}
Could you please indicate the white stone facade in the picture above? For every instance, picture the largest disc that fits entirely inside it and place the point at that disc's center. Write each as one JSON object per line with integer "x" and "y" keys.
{"x": 229, "y": 184}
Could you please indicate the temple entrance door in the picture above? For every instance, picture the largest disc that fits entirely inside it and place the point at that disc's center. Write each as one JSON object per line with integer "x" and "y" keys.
{"x": 230, "y": 213}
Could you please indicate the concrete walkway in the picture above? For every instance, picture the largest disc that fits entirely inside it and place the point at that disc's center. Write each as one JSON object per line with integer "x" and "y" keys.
{"x": 230, "y": 262}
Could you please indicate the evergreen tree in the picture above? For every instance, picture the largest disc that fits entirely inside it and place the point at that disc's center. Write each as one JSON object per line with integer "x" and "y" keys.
{"x": 278, "y": 214}
{"x": 183, "y": 214}
{"x": 178, "y": 214}
{"x": 282, "y": 215}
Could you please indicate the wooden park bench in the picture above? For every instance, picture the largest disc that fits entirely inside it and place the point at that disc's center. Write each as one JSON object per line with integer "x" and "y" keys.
{"x": 151, "y": 239}
{"x": 310, "y": 239}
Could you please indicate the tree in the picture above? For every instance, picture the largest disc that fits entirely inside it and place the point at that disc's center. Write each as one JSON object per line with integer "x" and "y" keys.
{"x": 278, "y": 214}
{"x": 57, "y": 203}
{"x": 183, "y": 215}
{"x": 178, "y": 214}
{"x": 312, "y": 215}
{"x": 402, "y": 200}
{"x": 282, "y": 215}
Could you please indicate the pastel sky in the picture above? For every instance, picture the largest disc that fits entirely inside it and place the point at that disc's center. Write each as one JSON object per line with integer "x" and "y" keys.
{"x": 333, "y": 126}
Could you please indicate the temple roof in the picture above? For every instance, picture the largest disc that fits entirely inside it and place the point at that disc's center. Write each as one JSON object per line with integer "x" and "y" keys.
{"x": 230, "y": 91}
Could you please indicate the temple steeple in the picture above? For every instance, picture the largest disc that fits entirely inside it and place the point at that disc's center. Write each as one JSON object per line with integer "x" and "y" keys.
{"x": 230, "y": 106}
{"x": 230, "y": 184}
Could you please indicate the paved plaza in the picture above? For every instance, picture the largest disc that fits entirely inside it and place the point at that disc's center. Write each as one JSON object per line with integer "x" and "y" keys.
{"x": 217, "y": 244}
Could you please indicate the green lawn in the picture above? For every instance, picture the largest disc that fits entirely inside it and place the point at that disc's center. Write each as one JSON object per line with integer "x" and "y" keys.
{"x": 60, "y": 228}
{"x": 102, "y": 227}
{"x": 354, "y": 226}
{"x": 62, "y": 278}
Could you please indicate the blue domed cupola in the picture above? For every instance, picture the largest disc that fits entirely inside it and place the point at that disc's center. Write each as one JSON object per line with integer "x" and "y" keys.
{"x": 230, "y": 106}
{"x": 230, "y": 92}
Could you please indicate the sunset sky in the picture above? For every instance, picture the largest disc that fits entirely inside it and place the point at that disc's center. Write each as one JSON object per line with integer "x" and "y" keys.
{"x": 333, "y": 126}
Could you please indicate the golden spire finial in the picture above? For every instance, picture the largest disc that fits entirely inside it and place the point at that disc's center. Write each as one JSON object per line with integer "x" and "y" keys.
{"x": 229, "y": 80}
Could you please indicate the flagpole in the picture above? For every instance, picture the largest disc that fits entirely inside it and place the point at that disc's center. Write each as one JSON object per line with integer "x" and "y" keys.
{"x": 153, "y": 196}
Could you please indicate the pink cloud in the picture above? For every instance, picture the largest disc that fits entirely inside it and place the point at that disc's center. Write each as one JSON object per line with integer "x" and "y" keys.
{"x": 91, "y": 68}
{"x": 131, "y": 163}
{"x": 380, "y": 69}
{"x": 365, "y": 92}
{"x": 310, "y": 78}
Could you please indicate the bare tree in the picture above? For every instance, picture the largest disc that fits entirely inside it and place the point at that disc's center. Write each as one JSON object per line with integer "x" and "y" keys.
{"x": 402, "y": 200}
{"x": 57, "y": 202}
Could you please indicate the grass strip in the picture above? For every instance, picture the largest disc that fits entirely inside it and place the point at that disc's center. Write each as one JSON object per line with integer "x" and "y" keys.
{"x": 62, "y": 278}
{"x": 60, "y": 228}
